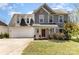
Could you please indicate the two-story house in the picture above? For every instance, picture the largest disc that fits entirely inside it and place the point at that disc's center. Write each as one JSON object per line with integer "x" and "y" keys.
{"x": 40, "y": 24}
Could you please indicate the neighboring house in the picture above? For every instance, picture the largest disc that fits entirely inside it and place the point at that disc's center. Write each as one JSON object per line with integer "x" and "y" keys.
{"x": 40, "y": 24}
{"x": 3, "y": 27}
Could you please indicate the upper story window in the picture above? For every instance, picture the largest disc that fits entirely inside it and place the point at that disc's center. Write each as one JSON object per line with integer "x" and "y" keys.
{"x": 23, "y": 23}
{"x": 61, "y": 18}
{"x": 51, "y": 19}
{"x": 41, "y": 18}
{"x": 28, "y": 21}
{"x": 17, "y": 20}
{"x": 31, "y": 21}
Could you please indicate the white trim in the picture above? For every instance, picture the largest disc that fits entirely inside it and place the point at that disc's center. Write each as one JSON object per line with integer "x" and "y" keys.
{"x": 18, "y": 19}
{"x": 34, "y": 18}
{"x": 25, "y": 19}
{"x": 59, "y": 18}
{"x": 48, "y": 18}
{"x": 29, "y": 20}
{"x": 45, "y": 10}
{"x": 41, "y": 18}
{"x": 52, "y": 19}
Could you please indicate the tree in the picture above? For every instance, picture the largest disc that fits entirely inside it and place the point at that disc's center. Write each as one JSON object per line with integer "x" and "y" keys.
{"x": 71, "y": 28}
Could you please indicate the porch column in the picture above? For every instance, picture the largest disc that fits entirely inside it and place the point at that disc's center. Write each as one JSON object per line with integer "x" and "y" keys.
{"x": 47, "y": 32}
{"x": 39, "y": 31}
{"x": 54, "y": 30}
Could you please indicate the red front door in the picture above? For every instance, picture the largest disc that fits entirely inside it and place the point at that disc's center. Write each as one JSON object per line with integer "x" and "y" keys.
{"x": 43, "y": 32}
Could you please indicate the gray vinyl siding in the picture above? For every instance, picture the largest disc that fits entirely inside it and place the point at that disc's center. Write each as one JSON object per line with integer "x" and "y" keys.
{"x": 55, "y": 18}
{"x": 45, "y": 18}
{"x": 66, "y": 18}
{"x": 56, "y": 21}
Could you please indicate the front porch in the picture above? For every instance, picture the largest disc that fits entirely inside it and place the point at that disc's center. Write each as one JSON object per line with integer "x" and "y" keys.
{"x": 45, "y": 31}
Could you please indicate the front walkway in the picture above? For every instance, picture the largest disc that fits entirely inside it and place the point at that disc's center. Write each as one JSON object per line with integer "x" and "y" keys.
{"x": 13, "y": 46}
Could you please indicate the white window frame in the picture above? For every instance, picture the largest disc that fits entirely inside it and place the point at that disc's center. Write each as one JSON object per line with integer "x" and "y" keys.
{"x": 29, "y": 20}
{"x": 62, "y": 18}
{"x": 52, "y": 19}
{"x": 18, "y": 19}
{"x": 41, "y": 18}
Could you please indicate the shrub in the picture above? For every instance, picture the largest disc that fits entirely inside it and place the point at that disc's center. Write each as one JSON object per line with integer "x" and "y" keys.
{"x": 54, "y": 36}
{"x": 6, "y": 35}
{"x": 67, "y": 35}
{"x": 1, "y": 36}
{"x": 61, "y": 36}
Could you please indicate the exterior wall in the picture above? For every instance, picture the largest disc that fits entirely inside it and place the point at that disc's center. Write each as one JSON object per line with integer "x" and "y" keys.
{"x": 48, "y": 31}
{"x": 13, "y": 20}
{"x": 66, "y": 18}
{"x": 37, "y": 16}
{"x": 16, "y": 17}
{"x": 3, "y": 29}
{"x": 47, "y": 17}
{"x": 55, "y": 19}
{"x": 21, "y": 32}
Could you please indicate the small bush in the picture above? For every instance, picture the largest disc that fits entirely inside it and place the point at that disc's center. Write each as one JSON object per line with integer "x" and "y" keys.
{"x": 58, "y": 36}
{"x": 6, "y": 35}
{"x": 1, "y": 36}
{"x": 61, "y": 36}
{"x": 67, "y": 35}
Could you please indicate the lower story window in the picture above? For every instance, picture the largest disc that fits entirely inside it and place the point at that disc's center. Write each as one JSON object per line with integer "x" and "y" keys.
{"x": 50, "y": 20}
{"x": 52, "y": 29}
{"x": 17, "y": 21}
{"x": 27, "y": 20}
{"x": 60, "y": 30}
{"x": 41, "y": 20}
{"x": 57, "y": 30}
{"x": 37, "y": 30}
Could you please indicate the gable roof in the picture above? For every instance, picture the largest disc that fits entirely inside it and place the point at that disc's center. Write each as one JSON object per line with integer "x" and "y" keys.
{"x": 60, "y": 11}
{"x": 54, "y": 11}
{"x": 45, "y": 6}
{"x": 2, "y": 24}
{"x": 22, "y": 16}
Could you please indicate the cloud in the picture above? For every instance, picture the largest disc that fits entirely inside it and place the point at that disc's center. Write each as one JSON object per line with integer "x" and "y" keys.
{"x": 69, "y": 9}
{"x": 3, "y": 5}
{"x": 10, "y": 7}
{"x": 63, "y": 6}
{"x": 22, "y": 4}
{"x": 30, "y": 12}
{"x": 13, "y": 12}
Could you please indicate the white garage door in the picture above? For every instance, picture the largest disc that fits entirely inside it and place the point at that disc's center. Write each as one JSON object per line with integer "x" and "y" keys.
{"x": 21, "y": 32}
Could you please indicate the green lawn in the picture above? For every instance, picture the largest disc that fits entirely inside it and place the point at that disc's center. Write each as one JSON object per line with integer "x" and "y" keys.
{"x": 46, "y": 47}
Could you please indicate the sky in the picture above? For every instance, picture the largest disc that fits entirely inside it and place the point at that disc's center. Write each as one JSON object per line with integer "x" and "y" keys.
{"x": 8, "y": 9}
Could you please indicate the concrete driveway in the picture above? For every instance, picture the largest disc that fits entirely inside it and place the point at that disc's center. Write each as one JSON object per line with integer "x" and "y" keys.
{"x": 13, "y": 46}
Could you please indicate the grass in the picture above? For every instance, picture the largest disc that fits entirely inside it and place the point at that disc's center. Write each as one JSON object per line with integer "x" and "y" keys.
{"x": 55, "y": 47}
